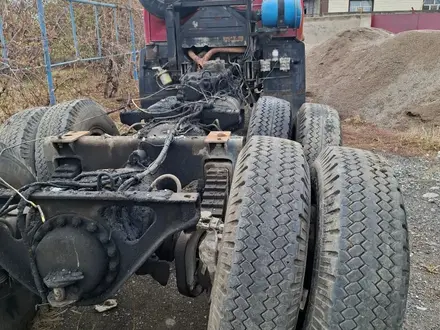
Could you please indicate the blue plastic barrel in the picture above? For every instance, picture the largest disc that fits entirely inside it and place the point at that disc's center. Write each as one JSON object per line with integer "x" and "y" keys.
{"x": 293, "y": 13}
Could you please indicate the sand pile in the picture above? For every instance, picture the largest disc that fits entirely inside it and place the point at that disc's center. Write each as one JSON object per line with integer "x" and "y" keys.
{"x": 391, "y": 80}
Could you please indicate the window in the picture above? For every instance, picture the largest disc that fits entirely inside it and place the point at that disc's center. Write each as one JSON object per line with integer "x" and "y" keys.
{"x": 361, "y": 6}
{"x": 431, "y": 5}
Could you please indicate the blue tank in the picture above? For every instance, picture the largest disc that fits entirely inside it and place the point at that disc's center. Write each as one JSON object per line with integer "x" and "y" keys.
{"x": 293, "y": 13}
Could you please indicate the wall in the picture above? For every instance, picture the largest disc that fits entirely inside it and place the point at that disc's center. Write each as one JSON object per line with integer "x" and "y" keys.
{"x": 337, "y": 6}
{"x": 341, "y": 6}
{"x": 398, "y": 22}
{"x": 319, "y": 29}
{"x": 397, "y": 5}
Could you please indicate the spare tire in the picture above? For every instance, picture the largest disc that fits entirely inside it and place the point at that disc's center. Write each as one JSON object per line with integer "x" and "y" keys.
{"x": 158, "y": 7}
{"x": 12, "y": 169}
{"x": 19, "y": 132}
{"x": 77, "y": 115}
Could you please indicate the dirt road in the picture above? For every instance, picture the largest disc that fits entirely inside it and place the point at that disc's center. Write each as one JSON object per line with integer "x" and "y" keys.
{"x": 143, "y": 304}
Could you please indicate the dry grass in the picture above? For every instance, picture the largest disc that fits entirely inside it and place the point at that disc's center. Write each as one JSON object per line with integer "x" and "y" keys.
{"x": 50, "y": 319}
{"x": 23, "y": 80}
{"x": 421, "y": 140}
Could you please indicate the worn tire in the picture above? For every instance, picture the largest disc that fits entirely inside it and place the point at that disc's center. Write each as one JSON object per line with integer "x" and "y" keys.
{"x": 259, "y": 277}
{"x": 317, "y": 127}
{"x": 361, "y": 271}
{"x": 12, "y": 169}
{"x": 20, "y": 131}
{"x": 77, "y": 115}
{"x": 271, "y": 116}
{"x": 17, "y": 304}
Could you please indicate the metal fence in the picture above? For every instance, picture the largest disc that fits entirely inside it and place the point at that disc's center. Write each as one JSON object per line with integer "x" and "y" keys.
{"x": 78, "y": 58}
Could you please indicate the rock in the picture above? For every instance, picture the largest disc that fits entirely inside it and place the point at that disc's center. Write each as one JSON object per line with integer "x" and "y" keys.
{"x": 438, "y": 155}
{"x": 421, "y": 308}
{"x": 170, "y": 322}
{"x": 106, "y": 305}
{"x": 430, "y": 195}
{"x": 434, "y": 188}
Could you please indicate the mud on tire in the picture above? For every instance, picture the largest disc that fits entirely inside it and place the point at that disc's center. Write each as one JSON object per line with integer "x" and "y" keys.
{"x": 260, "y": 272}
{"x": 78, "y": 115}
{"x": 318, "y": 126}
{"x": 271, "y": 116}
{"x": 361, "y": 271}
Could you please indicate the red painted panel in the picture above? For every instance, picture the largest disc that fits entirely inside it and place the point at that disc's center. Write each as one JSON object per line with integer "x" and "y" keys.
{"x": 155, "y": 29}
{"x": 429, "y": 21}
{"x": 398, "y": 22}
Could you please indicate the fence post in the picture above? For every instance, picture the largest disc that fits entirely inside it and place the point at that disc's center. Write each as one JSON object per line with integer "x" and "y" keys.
{"x": 133, "y": 44}
{"x": 98, "y": 32}
{"x": 3, "y": 43}
{"x": 46, "y": 52}
{"x": 115, "y": 18}
{"x": 72, "y": 20}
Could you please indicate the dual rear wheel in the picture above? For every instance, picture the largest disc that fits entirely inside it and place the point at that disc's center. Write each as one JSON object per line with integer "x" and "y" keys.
{"x": 358, "y": 261}
{"x": 271, "y": 274}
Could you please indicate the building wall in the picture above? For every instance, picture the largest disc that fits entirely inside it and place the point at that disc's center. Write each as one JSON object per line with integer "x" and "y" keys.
{"x": 337, "y": 6}
{"x": 321, "y": 28}
{"x": 341, "y": 6}
{"x": 397, "y": 5}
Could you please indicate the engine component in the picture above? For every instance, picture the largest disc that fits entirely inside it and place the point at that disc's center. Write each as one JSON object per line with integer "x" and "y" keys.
{"x": 281, "y": 13}
{"x": 162, "y": 130}
{"x": 163, "y": 75}
{"x": 158, "y": 269}
{"x": 225, "y": 111}
{"x": 200, "y": 84}
{"x": 85, "y": 273}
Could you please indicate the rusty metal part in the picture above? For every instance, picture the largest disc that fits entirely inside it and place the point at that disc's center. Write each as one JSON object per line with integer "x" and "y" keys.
{"x": 202, "y": 60}
{"x": 218, "y": 137}
{"x": 195, "y": 58}
{"x": 210, "y": 243}
{"x": 70, "y": 137}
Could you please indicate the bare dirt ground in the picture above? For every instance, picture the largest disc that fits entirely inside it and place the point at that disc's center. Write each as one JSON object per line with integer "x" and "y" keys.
{"x": 144, "y": 304}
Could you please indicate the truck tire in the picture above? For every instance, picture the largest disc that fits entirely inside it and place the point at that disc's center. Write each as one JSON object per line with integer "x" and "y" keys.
{"x": 77, "y": 115}
{"x": 317, "y": 127}
{"x": 12, "y": 169}
{"x": 260, "y": 271}
{"x": 20, "y": 131}
{"x": 361, "y": 271}
{"x": 271, "y": 116}
{"x": 17, "y": 304}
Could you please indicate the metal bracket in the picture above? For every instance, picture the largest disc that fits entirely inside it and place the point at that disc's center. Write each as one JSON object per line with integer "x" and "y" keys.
{"x": 218, "y": 137}
{"x": 70, "y": 137}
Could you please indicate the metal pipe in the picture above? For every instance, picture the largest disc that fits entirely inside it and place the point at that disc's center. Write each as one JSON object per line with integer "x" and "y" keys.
{"x": 115, "y": 19}
{"x": 213, "y": 51}
{"x": 72, "y": 20}
{"x": 46, "y": 52}
{"x": 101, "y": 4}
{"x": 201, "y": 61}
{"x": 133, "y": 44}
{"x": 3, "y": 43}
{"x": 98, "y": 33}
{"x": 195, "y": 58}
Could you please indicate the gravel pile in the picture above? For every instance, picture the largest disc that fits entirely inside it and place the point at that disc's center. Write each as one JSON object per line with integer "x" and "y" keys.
{"x": 420, "y": 183}
{"x": 391, "y": 80}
